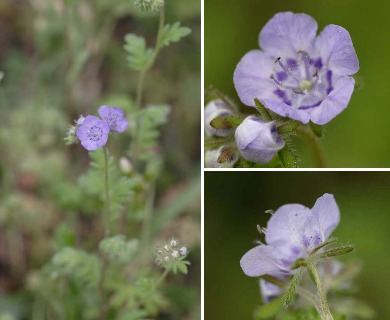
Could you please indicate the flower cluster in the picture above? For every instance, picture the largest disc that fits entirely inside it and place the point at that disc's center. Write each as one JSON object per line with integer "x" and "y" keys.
{"x": 297, "y": 74}
{"x": 256, "y": 140}
{"x": 93, "y": 131}
{"x": 148, "y": 5}
{"x": 292, "y": 233}
{"x": 170, "y": 252}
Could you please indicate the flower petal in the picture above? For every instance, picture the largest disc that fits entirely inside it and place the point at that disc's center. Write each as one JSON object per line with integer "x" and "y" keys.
{"x": 285, "y": 110}
{"x": 252, "y": 77}
{"x": 335, "y": 47}
{"x": 289, "y": 224}
{"x": 335, "y": 102}
{"x": 261, "y": 260}
{"x": 328, "y": 213}
{"x": 287, "y": 33}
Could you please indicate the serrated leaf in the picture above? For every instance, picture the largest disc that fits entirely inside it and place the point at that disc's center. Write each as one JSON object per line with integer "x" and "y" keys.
{"x": 139, "y": 56}
{"x": 173, "y": 33}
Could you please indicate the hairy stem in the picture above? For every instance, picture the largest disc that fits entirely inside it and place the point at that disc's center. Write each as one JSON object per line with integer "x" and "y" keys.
{"x": 323, "y": 309}
{"x": 316, "y": 148}
{"x": 107, "y": 194}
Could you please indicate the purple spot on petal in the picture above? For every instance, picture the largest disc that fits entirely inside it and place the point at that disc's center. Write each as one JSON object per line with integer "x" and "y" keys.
{"x": 305, "y": 241}
{"x": 318, "y": 63}
{"x": 310, "y": 106}
{"x": 281, "y": 76}
{"x": 295, "y": 250}
{"x": 285, "y": 262}
{"x": 329, "y": 80}
{"x": 291, "y": 63}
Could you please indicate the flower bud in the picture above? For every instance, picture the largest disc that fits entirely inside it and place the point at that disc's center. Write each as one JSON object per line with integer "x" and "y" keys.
{"x": 216, "y": 109}
{"x": 222, "y": 157}
{"x": 125, "y": 165}
{"x": 258, "y": 141}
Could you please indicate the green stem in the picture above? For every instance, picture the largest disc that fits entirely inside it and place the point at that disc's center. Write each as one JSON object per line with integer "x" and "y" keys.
{"x": 103, "y": 306}
{"x": 315, "y": 146}
{"x": 163, "y": 276}
{"x": 323, "y": 308}
{"x": 146, "y": 226}
{"x": 107, "y": 194}
{"x": 141, "y": 81}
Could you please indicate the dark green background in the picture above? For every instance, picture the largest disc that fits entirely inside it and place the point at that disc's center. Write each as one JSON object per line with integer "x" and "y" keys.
{"x": 359, "y": 136}
{"x": 235, "y": 203}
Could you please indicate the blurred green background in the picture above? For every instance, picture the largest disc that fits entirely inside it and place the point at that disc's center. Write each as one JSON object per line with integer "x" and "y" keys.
{"x": 235, "y": 204}
{"x": 359, "y": 136}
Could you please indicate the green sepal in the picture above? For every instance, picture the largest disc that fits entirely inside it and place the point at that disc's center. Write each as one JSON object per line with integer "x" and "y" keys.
{"x": 298, "y": 263}
{"x": 290, "y": 293}
{"x": 226, "y": 155}
{"x": 317, "y": 129}
{"x": 220, "y": 123}
{"x": 269, "y": 310}
{"x": 288, "y": 157}
{"x": 265, "y": 115}
{"x": 215, "y": 143}
{"x": 225, "y": 122}
{"x": 324, "y": 244}
{"x": 335, "y": 252}
{"x": 289, "y": 127}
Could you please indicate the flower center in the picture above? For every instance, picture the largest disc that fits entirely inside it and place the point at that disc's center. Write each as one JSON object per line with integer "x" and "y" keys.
{"x": 112, "y": 120}
{"x": 95, "y": 133}
{"x": 302, "y": 82}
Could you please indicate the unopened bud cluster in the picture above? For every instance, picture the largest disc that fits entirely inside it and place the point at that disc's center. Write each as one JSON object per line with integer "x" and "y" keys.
{"x": 169, "y": 252}
{"x": 148, "y": 5}
{"x": 71, "y": 137}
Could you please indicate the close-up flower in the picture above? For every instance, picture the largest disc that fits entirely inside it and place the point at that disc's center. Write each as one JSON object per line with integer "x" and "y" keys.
{"x": 114, "y": 117}
{"x": 216, "y": 109}
{"x": 298, "y": 74}
{"x": 93, "y": 133}
{"x": 293, "y": 231}
{"x": 258, "y": 141}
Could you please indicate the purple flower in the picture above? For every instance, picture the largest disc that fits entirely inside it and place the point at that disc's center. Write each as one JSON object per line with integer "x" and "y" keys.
{"x": 292, "y": 233}
{"x": 93, "y": 133}
{"x": 258, "y": 141}
{"x": 297, "y": 74}
{"x": 114, "y": 117}
{"x": 214, "y": 109}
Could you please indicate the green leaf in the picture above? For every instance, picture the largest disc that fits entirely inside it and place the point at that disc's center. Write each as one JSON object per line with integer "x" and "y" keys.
{"x": 149, "y": 119}
{"x": 269, "y": 310}
{"x": 139, "y": 56}
{"x": 118, "y": 249}
{"x": 173, "y": 33}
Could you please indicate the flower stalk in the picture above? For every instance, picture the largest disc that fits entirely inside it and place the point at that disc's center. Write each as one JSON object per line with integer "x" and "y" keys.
{"x": 323, "y": 307}
{"x": 141, "y": 80}
{"x": 107, "y": 194}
